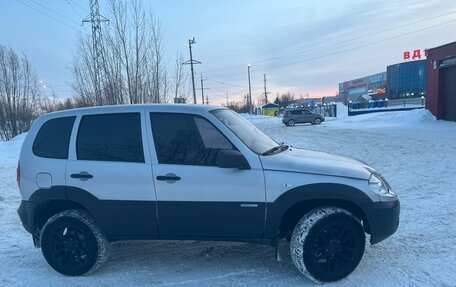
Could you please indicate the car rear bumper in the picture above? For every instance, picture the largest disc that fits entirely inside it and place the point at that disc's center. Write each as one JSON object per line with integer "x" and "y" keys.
{"x": 383, "y": 219}
{"x": 26, "y": 211}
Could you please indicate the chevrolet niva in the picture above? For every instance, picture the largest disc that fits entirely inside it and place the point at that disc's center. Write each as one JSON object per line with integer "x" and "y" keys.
{"x": 92, "y": 176}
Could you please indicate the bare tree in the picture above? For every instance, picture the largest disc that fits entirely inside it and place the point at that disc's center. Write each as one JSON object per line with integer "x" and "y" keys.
{"x": 134, "y": 66}
{"x": 52, "y": 104}
{"x": 18, "y": 94}
{"x": 159, "y": 75}
{"x": 180, "y": 87}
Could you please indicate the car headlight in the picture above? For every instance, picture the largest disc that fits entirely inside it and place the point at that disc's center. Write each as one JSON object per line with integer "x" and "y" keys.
{"x": 377, "y": 185}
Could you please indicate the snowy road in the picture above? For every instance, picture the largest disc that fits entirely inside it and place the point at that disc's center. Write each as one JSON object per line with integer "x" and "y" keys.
{"x": 415, "y": 153}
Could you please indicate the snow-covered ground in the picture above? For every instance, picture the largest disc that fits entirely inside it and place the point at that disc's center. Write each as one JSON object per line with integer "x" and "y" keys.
{"x": 416, "y": 153}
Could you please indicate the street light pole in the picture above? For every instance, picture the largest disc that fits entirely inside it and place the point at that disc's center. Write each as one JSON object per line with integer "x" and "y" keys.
{"x": 249, "y": 100}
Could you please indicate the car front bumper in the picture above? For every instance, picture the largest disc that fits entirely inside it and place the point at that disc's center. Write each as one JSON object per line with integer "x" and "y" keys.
{"x": 382, "y": 219}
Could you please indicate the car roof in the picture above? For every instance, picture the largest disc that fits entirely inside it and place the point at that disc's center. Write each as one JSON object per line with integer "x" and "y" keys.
{"x": 178, "y": 108}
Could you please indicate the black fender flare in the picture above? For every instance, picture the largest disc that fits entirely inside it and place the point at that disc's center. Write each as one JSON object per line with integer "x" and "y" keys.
{"x": 312, "y": 192}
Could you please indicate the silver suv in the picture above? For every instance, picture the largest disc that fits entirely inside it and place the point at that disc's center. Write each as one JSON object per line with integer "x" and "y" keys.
{"x": 298, "y": 116}
{"x": 92, "y": 176}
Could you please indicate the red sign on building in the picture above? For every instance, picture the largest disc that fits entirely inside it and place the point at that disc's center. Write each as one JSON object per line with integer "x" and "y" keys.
{"x": 416, "y": 54}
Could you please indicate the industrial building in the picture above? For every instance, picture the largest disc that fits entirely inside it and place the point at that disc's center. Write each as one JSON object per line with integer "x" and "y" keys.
{"x": 441, "y": 81}
{"x": 406, "y": 80}
{"x": 371, "y": 85}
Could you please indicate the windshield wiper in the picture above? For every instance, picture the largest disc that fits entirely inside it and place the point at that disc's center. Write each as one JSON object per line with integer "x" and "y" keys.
{"x": 280, "y": 147}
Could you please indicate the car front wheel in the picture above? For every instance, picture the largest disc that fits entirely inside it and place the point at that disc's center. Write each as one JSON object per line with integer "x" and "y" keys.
{"x": 73, "y": 244}
{"x": 327, "y": 244}
{"x": 317, "y": 121}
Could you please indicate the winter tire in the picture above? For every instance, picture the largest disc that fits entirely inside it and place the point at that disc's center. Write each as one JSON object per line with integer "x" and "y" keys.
{"x": 73, "y": 244}
{"x": 327, "y": 244}
{"x": 291, "y": 123}
{"x": 317, "y": 121}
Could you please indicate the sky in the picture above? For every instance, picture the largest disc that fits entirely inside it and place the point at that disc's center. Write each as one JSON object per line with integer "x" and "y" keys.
{"x": 304, "y": 47}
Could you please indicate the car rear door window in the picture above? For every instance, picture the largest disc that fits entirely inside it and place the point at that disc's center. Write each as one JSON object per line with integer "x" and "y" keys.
{"x": 186, "y": 139}
{"x": 53, "y": 138}
{"x": 110, "y": 137}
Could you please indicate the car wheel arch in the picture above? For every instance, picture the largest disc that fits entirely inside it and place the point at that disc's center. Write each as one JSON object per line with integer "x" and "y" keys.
{"x": 47, "y": 209}
{"x": 287, "y": 209}
{"x": 294, "y": 213}
{"x": 50, "y": 202}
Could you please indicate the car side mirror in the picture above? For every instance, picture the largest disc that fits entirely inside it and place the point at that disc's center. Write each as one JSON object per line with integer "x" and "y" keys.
{"x": 231, "y": 159}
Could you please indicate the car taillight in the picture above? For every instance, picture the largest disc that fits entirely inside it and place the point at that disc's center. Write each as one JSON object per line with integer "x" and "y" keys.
{"x": 18, "y": 174}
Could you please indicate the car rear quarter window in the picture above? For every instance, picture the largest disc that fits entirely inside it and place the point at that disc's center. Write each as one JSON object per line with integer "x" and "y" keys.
{"x": 53, "y": 138}
{"x": 110, "y": 137}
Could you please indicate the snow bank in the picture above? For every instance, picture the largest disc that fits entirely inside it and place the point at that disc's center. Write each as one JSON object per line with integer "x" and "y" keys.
{"x": 261, "y": 120}
{"x": 342, "y": 111}
{"x": 410, "y": 118}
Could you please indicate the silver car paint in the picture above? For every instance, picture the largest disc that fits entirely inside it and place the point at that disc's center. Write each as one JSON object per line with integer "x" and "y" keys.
{"x": 282, "y": 171}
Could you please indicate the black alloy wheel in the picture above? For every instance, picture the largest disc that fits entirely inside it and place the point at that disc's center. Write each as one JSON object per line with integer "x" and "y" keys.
{"x": 69, "y": 246}
{"x": 334, "y": 247}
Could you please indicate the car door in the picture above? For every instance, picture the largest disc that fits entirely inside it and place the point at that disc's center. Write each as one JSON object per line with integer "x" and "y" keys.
{"x": 296, "y": 115}
{"x": 197, "y": 199}
{"x": 109, "y": 173}
{"x": 307, "y": 116}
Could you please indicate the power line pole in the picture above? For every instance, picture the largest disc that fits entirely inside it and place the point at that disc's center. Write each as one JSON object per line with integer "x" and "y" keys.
{"x": 249, "y": 99}
{"x": 246, "y": 98}
{"x": 227, "y": 99}
{"x": 207, "y": 100}
{"x": 202, "y": 89}
{"x": 191, "y": 62}
{"x": 97, "y": 48}
{"x": 265, "y": 93}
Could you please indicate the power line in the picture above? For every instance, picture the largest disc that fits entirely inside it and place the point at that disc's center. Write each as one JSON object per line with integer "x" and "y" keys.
{"x": 76, "y": 3}
{"x": 361, "y": 37}
{"x": 277, "y": 66}
{"x": 47, "y": 15}
{"x": 342, "y": 51}
{"x": 329, "y": 45}
{"x": 52, "y": 11}
{"x": 74, "y": 9}
{"x": 360, "y": 46}
{"x": 231, "y": 84}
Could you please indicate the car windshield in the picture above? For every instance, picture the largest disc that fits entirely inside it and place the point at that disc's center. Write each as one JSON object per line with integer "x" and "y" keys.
{"x": 250, "y": 135}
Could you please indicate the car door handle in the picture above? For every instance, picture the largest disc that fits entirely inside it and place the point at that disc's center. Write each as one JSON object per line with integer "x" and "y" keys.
{"x": 168, "y": 177}
{"x": 83, "y": 175}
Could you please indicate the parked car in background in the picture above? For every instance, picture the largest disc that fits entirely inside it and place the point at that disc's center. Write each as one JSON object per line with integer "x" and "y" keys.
{"x": 298, "y": 116}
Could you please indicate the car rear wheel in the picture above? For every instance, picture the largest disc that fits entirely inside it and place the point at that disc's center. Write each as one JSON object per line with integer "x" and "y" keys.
{"x": 291, "y": 123}
{"x": 73, "y": 244}
{"x": 327, "y": 244}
